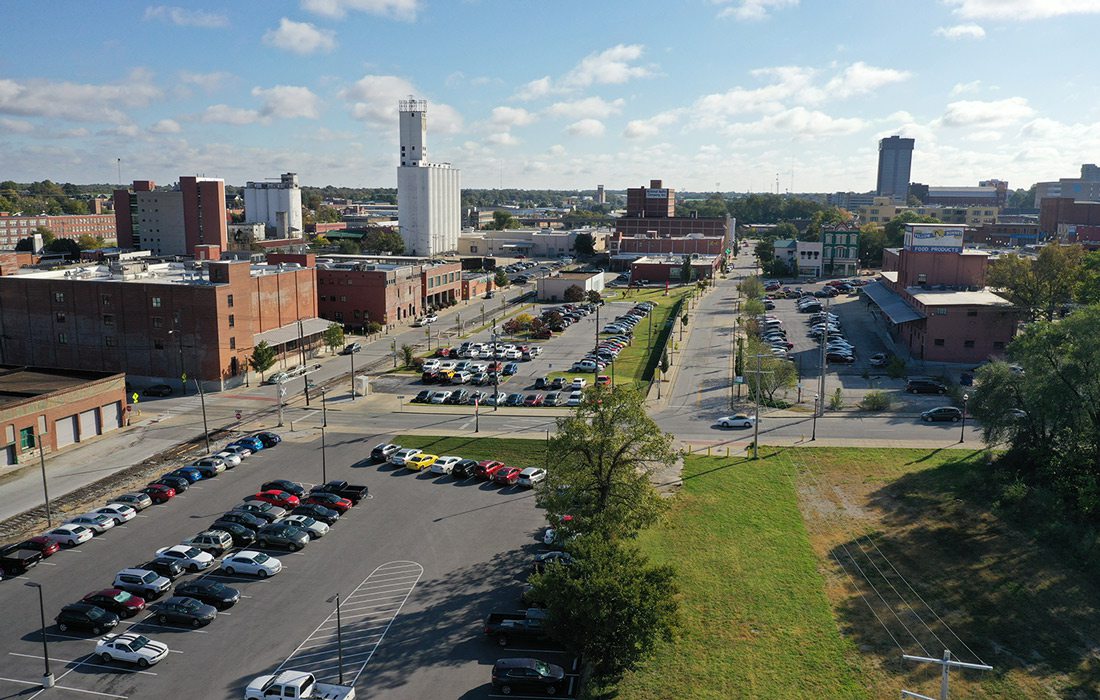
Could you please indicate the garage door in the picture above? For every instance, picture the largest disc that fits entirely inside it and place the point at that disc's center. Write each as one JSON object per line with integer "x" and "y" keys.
{"x": 7, "y": 456}
{"x": 89, "y": 424}
{"x": 66, "y": 430}
{"x": 112, "y": 416}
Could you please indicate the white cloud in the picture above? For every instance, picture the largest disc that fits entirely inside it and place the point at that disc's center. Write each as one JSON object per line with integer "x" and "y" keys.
{"x": 860, "y": 78}
{"x": 508, "y": 117}
{"x": 962, "y": 88}
{"x": 288, "y": 102}
{"x": 961, "y": 31}
{"x": 586, "y": 107}
{"x": 374, "y": 98}
{"x": 208, "y": 82}
{"x": 183, "y": 17}
{"x": 301, "y": 38}
{"x": 754, "y": 10}
{"x": 224, "y": 114}
{"x": 16, "y": 126}
{"x": 83, "y": 102}
{"x": 337, "y": 9}
{"x": 557, "y": 150}
{"x": 649, "y": 128}
{"x": 1022, "y": 10}
{"x": 503, "y": 138}
{"x": 166, "y": 126}
{"x": 798, "y": 121}
{"x": 988, "y": 114}
{"x": 535, "y": 89}
{"x": 586, "y": 127}
{"x": 610, "y": 66}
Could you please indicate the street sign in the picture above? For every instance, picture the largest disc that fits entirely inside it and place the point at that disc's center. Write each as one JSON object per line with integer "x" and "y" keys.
{"x": 134, "y": 397}
{"x": 282, "y": 392}
{"x": 728, "y": 251}
{"x": 238, "y": 414}
{"x": 184, "y": 377}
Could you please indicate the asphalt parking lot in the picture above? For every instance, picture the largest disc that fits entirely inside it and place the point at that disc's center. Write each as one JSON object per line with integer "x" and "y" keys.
{"x": 418, "y": 566}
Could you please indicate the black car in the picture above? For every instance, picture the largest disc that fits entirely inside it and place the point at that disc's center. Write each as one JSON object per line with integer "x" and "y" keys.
{"x": 179, "y": 483}
{"x": 544, "y": 558}
{"x": 527, "y": 675}
{"x": 16, "y": 560}
{"x": 182, "y": 610}
{"x": 840, "y": 358}
{"x": 282, "y": 535}
{"x": 428, "y": 377}
{"x": 326, "y": 515}
{"x": 514, "y": 400}
{"x": 925, "y": 386}
{"x": 351, "y": 348}
{"x": 168, "y": 568}
{"x": 943, "y": 413}
{"x": 458, "y": 398}
{"x": 239, "y": 517}
{"x": 241, "y": 534}
{"x": 213, "y": 593}
{"x": 268, "y": 438}
{"x": 158, "y": 390}
{"x": 464, "y": 469}
{"x": 285, "y": 485}
{"x": 87, "y": 617}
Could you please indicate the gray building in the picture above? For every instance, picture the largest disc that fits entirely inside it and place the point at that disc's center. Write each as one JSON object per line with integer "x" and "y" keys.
{"x": 895, "y": 161}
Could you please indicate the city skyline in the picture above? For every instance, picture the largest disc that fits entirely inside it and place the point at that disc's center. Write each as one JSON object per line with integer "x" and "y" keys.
{"x": 729, "y": 95}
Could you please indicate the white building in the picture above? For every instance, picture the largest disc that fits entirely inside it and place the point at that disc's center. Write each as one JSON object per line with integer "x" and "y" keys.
{"x": 809, "y": 258}
{"x": 428, "y": 195}
{"x": 277, "y": 205}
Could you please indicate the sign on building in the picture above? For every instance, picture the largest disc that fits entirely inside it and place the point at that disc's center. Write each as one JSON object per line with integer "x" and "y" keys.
{"x": 933, "y": 238}
{"x": 661, "y": 193}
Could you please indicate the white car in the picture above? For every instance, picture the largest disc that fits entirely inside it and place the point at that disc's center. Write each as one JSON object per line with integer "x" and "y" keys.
{"x": 131, "y": 648}
{"x": 69, "y": 534}
{"x": 315, "y": 528}
{"x": 737, "y": 421}
{"x": 252, "y": 563}
{"x": 239, "y": 450}
{"x": 575, "y": 398}
{"x": 119, "y": 512}
{"x": 96, "y": 522}
{"x": 531, "y": 476}
{"x": 445, "y": 464}
{"x": 439, "y": 396}
{"x": 231, "y": 459}
{"x": 399, "y": 458}
{"x": 578, "y": 383}
{"x": 431, "y": 318}
{"x": 431, "y": 365}
{"x": 190, "y": 558}
{"x": 210, "y": 466}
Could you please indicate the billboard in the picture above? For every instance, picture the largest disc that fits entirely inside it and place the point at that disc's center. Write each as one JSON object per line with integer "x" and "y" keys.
{"x": 933, "y": 238}
{"x": 661, "y": 193}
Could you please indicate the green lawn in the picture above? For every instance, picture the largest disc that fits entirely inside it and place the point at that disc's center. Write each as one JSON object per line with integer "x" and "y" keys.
{"x": 757, "y": 623}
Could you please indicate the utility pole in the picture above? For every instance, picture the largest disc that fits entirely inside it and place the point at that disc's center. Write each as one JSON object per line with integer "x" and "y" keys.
{"x": 205, "y": 427}
{"x": 280, "y": 392}
{"x": 42, "y": 465}
{"x": 821, "y": 378}
{"x": 733, "y": 366}
{"x": 393, "y": 347}
{"x": 946, "y": 664}
{"x": 756, "y": 420}
{"x": 352, "y": 356}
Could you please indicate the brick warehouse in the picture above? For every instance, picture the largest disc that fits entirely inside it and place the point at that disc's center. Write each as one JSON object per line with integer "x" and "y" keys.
{"x": 158, "y": 321}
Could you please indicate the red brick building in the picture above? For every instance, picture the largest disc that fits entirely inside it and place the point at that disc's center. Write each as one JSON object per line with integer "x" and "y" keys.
{"x": 354, "y": 293}
{"x": 651, "y": 202}
{"x": 172, "y": 222}
{"x": 15, "y": 228}
{"x": 651, "y": 213}
{"x": 442, "y": 283}
{"x": 660, "y": 269}
{"x": 475, "y": 285}
{"x": 1057, "y": 213}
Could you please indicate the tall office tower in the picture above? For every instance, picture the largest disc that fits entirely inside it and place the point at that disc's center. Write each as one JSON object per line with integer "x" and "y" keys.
{"x": 895, "y": 160}
{"x": 428, "y": 195}
{"x": 277, "y": 205}
{"x": 601, "y": 195}
{"x": 172, "y": 222}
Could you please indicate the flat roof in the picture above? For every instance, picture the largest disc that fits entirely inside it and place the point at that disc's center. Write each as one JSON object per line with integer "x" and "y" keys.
{"x": 896, "y": 309}
{"x": 676, "y": 259}
{"x": 18, "y": 383}
{"x": 947, "y": 297}
{"x": 138, "y": 271}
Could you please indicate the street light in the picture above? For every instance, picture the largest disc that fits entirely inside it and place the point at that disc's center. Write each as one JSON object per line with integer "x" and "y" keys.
{"x": 47, "y": 677}
{"x": 962, "y": 428}
{"x": 339, "y": 636}
{"x": 324, "y": 424}
{"x": 183, "y": 375}
{"x": 813, "y": 434}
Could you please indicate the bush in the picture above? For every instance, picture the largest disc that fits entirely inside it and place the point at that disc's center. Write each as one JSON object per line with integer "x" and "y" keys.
{"x": 875, "y": 401}
{"x": 895, "y": 368}
{"x": 836, "y": 400}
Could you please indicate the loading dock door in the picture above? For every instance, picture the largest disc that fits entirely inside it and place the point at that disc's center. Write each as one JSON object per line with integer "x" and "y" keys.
{"x": 112, "y": 416}
{"x": 66, "y": 430}
{"x": 89, "y": 424}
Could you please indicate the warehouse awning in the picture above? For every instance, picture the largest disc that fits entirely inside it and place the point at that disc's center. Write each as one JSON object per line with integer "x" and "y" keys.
{"x": 280, "y": 336}
{"x": 895, "y": 308}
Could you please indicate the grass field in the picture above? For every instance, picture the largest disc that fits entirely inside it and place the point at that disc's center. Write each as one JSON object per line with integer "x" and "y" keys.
{"x": 631, "y": 364}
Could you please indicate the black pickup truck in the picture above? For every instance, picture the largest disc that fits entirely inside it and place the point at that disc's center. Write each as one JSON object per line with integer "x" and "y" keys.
{"x": 15, "y": 561}
{"x": 527, "y": 625}
{"x": 342, "y": 489}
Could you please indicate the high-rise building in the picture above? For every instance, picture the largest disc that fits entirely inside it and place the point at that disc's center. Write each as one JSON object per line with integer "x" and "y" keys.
{"x": 1084, "y": 188}
{"x": 277, "y": 205}
{"x": 601, "y": 195}
{"x": 651, "y": 202}
{"x": 428, "y": 197}
{"x": 895, "y": 161}
{"x": 172, "y": 222}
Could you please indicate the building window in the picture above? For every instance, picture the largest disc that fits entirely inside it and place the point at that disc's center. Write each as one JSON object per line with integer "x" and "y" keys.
{"x": 232, "y": 320}
{"x": 968, "y": 343}
{"x": 232, "y": 343}
{"x": 62, "y": 339}
{"x": 938, "y": 342}
{"x": 229, "y": 300}
{"x": 343, "y": 298}
{"x": 60, "y": 316}
{"x": 156, "y": 302}
{"x": 158, "y": 344}
{"x": 109, "y": 341}
{"x": 26, "y": 438}
{"x": 922, "y": 278}
{"x": 941, "y": 311}
{"x": 473, "y": 249}
{"x": 358, "y": 314}
{"x": 972, "y": 312}
{"x": 158, "y": 322}
{"x": 59, "y": 297}
{"x": 105, "y": 299}
{"x": 108, "y": 319}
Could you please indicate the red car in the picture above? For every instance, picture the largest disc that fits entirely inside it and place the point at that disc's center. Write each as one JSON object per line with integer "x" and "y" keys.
{"x": 329, "y": 500}
{"x": 507, "y": 476}
{"x": 117, "y": 601}
{"x": 159, "y": 492}
{"x": 276, "y": 498}
{"x": 488, "y": 468}
{"x": 40, "y": 544}
{"x": 603, "y": 380}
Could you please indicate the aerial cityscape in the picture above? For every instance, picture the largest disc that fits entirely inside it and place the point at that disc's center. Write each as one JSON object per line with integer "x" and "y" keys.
{"x": 733, "y": 349}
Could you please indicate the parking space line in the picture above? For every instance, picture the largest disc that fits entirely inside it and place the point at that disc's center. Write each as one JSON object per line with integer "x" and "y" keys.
{"x": 146, "y": 623}
{"x": 82, "y": 662}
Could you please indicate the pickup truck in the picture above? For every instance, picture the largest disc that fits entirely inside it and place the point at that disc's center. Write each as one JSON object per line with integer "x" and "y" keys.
{"x": 15, "y": 561}
{"x": 527, "y": 625}
{"x": 342, "y": 489}
{"x": 295, "y": 684}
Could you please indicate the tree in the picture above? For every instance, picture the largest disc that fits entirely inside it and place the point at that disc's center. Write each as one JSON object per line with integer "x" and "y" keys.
{"x": 348, "y": 247}
{"x": 776, "y": 268}
{"x": 610, "y": 607}
{"x": 872, "y": 241}
{"x": 766, "y": 374}
{"x": 87, "y": 241}
{"x": 25, "y": 245}
{"x": 1041, "y": 286}
{"x": 686, "y": 270}
{"x": 408, "y": 355}
{"x": 263, "y": 357}
{"x": 320, "y": 241}
{"x": 66, "y": 246}
{"x": 500, "y": 279}
{"x": 503, "y": 220}
{"x": 372, "y": 327}
{"x": 584, "y": 244}
{"x": 751, "y": 287}
{"x": 593, "y": 297}
{"x": 47, "y": 235}
{"x": 574, "y": 293}
{"x": 786, "y": 231}
{"x": 765, "y": 252}
{"x": 752, "y": 308}
{"x": 328, "y": 215}
{"x": 604, "y": 455}
{"x": 333, "y": 336}
{"x": 895, "y": 227}
{"x": 382, "y": 240}
{"x": 518, "y": 324}
{"x": 739, "y": 358}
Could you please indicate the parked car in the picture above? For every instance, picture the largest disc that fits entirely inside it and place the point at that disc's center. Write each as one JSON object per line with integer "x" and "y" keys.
{"x": 527, "y": 675}
{"x": 239, "y": 517}
{"x": 506, "y": 476}
{"x": 117, "y": 601}
{"x": 941, "y": 413}
{"x": 240, "y": 535}
{"x": 190, "y": 473}
{"x": 138, "y": 501}
{"x": 219, "y": 595}
{"x": 117, "y": 512}
{"x": 531, "y": 476}
{"x": 444, "y": 464}
{"x": 214, "y": 542}
{"x": 157, "y": 390}
{"x": 209, "y": 466}
{"x": 464, "y": 469}
{"x": 352, "y": 492}
{"x": 487, "y": 468}
{"x": 543, "y": 559}
{"x": 15, "y": 561}
{"x": 879, "y": 359}
{"x": 230, "y": 457}
{"x": 398, "y": 458}
{"x": 168, "y": 568}
{"x": 382, "y": 452}
{"x": 420, "y": 461}
{"x": 251, "y": 563}
{"x": 130, "y": 648}
{"x": 268, "y": 438}
{"x": 575, "y": 398}
{"x": 182, "y": 610}
{"x": 69, "y": 535}
{"x": 41, "y": 544}
{"x": 291, "y": 487}
{"x": 329, "y": 500}
{"x": 252, "y": 443}
{"x": 179, "y": 483}
{"x": 159, "y": 493}
{"x": 142, "y": 582}
{"x": 281, "y": 534}
{"x": 275, "y": 497}
{"x": 312, "y": 527}
{"x": 261, "y": 509}
{"x": 191, "y": 558}
{"x": 85, "y": 617}
{"x": 96, "y": 522}
{"x": 351, "y": 348}
{"x": 924, "y": 386}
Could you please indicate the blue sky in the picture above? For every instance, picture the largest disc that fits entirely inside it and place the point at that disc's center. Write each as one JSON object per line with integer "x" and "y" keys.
{"x": 700, "y": 93}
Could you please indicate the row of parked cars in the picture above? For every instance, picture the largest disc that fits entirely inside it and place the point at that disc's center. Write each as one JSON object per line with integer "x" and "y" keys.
{"x": 493, "y": 470}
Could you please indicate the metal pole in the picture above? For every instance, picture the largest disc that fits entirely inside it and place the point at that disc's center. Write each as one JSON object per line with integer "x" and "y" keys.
{"x": 944, "y": 682}
{"x": 352, "y": 356}
{"x": 733, "y": 367}
{"x": 393, "y": 347}
{"x": 279, "y": 391}
{"x": 756, "y": 420}
{"x": 45, "y": 488}
{"x": 339, "y": 637}
{"x": 821, "y": 379}
{"x": 302, "y": 346}
{"x": 962, "y": 428}
{"x": 813, "y": 435}
{"x": 47, "y": 677}
{"x": 205, "y": 427}
{"x": 324, "y": 463}
{"x": 477, "y": 416}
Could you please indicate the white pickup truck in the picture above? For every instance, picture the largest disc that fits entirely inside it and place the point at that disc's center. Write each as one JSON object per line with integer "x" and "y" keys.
{"x": 295, "y": 684}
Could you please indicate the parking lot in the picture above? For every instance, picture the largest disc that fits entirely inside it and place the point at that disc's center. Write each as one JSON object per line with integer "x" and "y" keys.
{"x": 418, "y": 566}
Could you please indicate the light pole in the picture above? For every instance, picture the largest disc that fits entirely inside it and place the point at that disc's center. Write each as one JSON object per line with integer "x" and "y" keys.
{"x": 183, "y": 375}
{"x": 42, "y": 466}
{"x": 962, "y": 428}
{"x": 393, "y": 348}
{"x": 47, "y": 677}
{"x": 202, "y": 400}
{"x": 352, "y": 356}
{"x": 813, "y": 434}
{"x": 324, "y": 424}
{"x": 339, "y": 636}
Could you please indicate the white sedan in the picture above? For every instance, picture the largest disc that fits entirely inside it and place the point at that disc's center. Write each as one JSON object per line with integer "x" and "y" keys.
{"x": 96, "y": 522}
{"x": 531, "y": 476}
{"x": 315, "y": 528}
{"x": 445, "y": 464}
{"x": 252, "y": 563}
{"x": 737, "y": 421}
{"x": 69, "y": 534}
{"x": 119, "y": 512}
{"x": 131, "y": 648}
{"x": 231, "y": 459}
{"x": 190, "y": 558}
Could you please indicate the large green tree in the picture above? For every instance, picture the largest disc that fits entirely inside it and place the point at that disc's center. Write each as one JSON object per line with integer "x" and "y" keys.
{"x": 766, "y": 374}
{"x": 263, "y": 358}
{"x": 503, "y": 220}
{"x": 872, "y": 241}
{"x": 1040, "y": 285}
{"x": 895, "y": 227}
{"x": 382, "y": 240}
{"x": 333, "y": 336}
{"x": 584, "y": 244}
{"x": 604, "y": 455}
{"x": 751, "y": 287}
